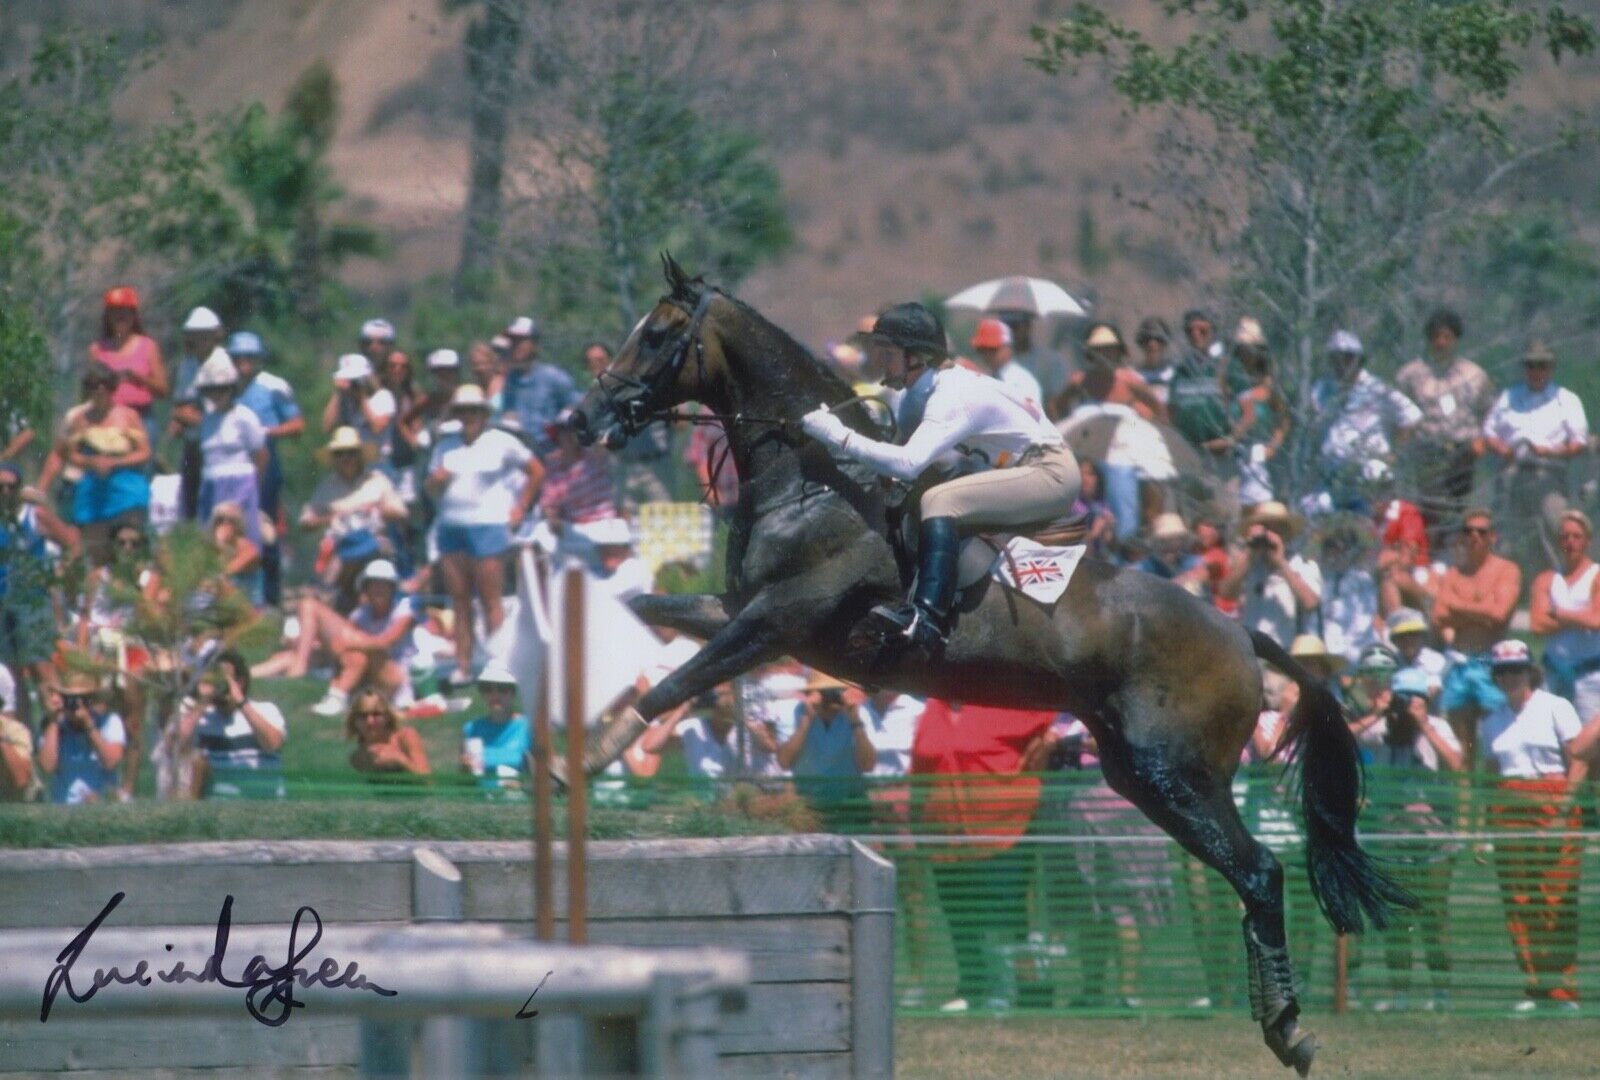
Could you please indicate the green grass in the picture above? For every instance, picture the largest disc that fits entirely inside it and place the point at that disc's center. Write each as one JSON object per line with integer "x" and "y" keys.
{"x": 1352, "y": 1046}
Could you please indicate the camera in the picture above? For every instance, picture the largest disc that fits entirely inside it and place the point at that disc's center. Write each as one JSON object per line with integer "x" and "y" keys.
{"x": 71, "y": 703}
{"x": 1259, "y": 542}
{"x": 831, "y": 696}
{"x": 1401, "y": 727}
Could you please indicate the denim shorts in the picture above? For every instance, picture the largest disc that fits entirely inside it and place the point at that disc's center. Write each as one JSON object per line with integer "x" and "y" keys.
{"x": 479, "y": 541}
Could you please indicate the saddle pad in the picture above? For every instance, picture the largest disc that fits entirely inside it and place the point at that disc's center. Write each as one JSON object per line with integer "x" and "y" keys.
{"x": 1038, "y": 572}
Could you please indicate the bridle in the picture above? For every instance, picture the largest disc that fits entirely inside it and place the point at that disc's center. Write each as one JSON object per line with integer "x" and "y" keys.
{"x": 626, "y": 396}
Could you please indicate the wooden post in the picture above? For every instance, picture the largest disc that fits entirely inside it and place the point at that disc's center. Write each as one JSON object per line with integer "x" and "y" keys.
{"x": 544, "y": 877}
{"x": 1341, "y": 973}
{"x": 577, "y": 782}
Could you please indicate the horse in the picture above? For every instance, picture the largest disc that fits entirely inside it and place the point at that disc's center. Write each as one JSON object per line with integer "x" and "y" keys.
{"x": 1169, "y": 686}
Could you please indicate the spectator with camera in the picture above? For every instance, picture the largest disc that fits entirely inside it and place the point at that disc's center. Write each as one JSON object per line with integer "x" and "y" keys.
{"x": 1277, "y": 591}
{"x": 828, "y": 752}
{"x": 1399, "y": 733}
{"x": 1408, "y": 634}
{"x": 82, "y": 742}
{"x": 359, "y": 401}
{"x": 234, "y": 740}
{"x": 383, "y": 744}
{"x": 495, "y": 745}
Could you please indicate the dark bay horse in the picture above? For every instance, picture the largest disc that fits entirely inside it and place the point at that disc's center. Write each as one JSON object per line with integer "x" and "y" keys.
{"x": 1169, "y": 686}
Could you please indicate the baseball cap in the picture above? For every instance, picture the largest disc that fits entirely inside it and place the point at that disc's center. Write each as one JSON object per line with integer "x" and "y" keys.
{"x": 443, "y": 359}
{"x": 377, "y": 330}
{"x": 496, "y": 673}
{"x": 523, "y": 326}
{"x": 1376, "y": 659}
{"x": 121, "y": 296}
{"x": 352, "y": 365}
{"x": 1509, "y": 654}
{"x": 991, "y": 334}
{"x": 1406, "y": 620}
{"x": 246, "y": 343}
{"x": 380, "y": 570}
{"x": 1343, "y": 341}
{"x": 202, "y": 318}
{"x": 1410, "y": 680}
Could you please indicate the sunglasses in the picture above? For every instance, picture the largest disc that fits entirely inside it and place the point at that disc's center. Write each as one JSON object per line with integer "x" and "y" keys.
{"x": 368, "y": 714}
{"x": 1476, "y": 530}
{"x": 129, "y": 545}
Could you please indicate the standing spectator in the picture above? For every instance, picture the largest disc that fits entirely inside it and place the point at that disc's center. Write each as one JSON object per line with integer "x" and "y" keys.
{"x": 488, "y": 370}
{"x": 891, "y": 726}
{"x": 536, "y": 392}
{"x": 375, "y": 340}
{"x": 618, "y": 570}
{"x": 1277, "y": 591}
{"x": 496, "y": 744}
{"x": 1356, "y": 415}
{"x": 472, "y": 478}
{"x": 373, "y": 646}
{"x": 577, "y": 479}
{"x": 1171, "y": 557}
{"x": 1155, "y": 364}
{"x": 353, "y": 505}
{"x": 202, "y": 333}
{"x": 133, "y": 359}
{"x": 1260, "y": 415}
{"x": 235, "y": 740}
{"x": 383, "y": 744}
{"x": 1454, "y": 395}
{"x": 419, "y": 425}
{"x": 271, "y": 398}
{"x": 991, "y": 342}
{"x": 1349, "y": 608}
{"x": 1106, "y": 376}
{"x": 1211, "y": 546}
{"x": 1528, "y": 741}
{"x": 1200, "y": 335}
{"x": 828, "y": 753}
{"x": 1198, "y": 396}
{"x": 395, "y": 376}
{"x": 1046, "y": 365}
{"x": 108, "y": 444}
{"x": 1405, "y": 569}
{"x": 1399, "y": 733}
{"x": 1536, "y": 428}
{"x": 1471, "y": 612}
{"x": 978, "y": 759}
{"x": 233, "y": 445}
{"x": 1564, "y": 609}
{"x": 359, "y": 402}
{"x": 81, "y": 743}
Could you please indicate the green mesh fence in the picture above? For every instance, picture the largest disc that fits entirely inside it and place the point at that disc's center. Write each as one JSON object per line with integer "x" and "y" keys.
{"x": 1054, "y": 894}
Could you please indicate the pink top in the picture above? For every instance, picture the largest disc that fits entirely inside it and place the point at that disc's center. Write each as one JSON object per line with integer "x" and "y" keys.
{"x": 139, "y": 356}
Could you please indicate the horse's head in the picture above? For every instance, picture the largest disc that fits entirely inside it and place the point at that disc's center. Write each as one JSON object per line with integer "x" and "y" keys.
{"x": 662, "y": 364}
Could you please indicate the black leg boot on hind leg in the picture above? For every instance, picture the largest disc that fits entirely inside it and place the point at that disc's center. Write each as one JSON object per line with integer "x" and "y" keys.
{"x": 1273, "y": 1004}
{"x": 921, "y": 623}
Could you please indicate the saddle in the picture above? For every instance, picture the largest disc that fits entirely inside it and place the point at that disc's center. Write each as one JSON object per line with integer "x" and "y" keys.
{"x": 981, "y": 549}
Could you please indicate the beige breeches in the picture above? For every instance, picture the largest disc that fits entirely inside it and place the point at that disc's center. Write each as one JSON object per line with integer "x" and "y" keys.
{"x": 1043, "y": 486}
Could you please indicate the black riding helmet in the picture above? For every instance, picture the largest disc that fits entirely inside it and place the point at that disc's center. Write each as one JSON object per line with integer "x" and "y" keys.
{"x": 913, "y": 328}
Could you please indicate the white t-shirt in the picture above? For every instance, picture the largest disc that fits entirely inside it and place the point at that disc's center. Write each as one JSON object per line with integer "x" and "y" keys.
{"x": 483, "y": 477}
{"x": 1136, "y": 442}
{"x": 228, "y": 441}
{"x": 1550, "y": 419}
{"x": 230, "y": 742}
{"x": 1267, "y": 603}
{"x": 1527, "y": 746}
{"x": 404, "y": 648}
{"x": 355, "y": 506}
{"x": 891, "y": 732}
{"x": 703, "y": 755}
{"x": 965, "y": 409}
{"x": 631, "y": 578}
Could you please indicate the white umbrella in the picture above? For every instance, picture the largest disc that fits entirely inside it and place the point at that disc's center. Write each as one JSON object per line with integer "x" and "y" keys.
{"x": 1033, "y": 295}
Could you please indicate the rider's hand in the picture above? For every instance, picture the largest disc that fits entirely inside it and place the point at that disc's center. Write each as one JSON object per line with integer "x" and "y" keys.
{"x": 823, "y": 425}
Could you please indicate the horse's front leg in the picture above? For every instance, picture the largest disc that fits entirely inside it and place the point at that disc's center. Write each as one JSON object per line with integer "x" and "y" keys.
{"x": 743, "y": 642}
{"x": 701, "y": 615}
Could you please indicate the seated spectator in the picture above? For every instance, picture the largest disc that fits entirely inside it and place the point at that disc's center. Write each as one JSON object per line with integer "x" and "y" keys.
{"x": 18, "y": 780}
{"x": 233, "y": 446}
{"x": 235, "y": 740}
{"x": 1408, "y": 634}
{"x": 1276, "y": 590}
{"x": 1171, "y": 557}
{"x": 1454, "y": 395}
{"x": 1564, "y": 609}
{"x": 1532, "y": 741}
{"x": 1356, "y": 416}
{"x": 495, "y": 745}
{"x": 353, "y": 505}
{"x": 483, "y": 482}
{"x": 372, "y": 646}
{"x": 707, "y": 735}
{"x": 81, "y": 743}
{"x": 107, "y": 444}
{"x": 1535, "y": 428}
{"x": 383, "y": 743}
{"x": 828, "y": 753}
{"x": 620, "y": 572}
{"x": 241, "y": 559}
{"x": 1349, "y": 608}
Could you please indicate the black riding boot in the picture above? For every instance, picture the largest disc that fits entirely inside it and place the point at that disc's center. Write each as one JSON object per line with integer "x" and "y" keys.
{"x": 923, "y": 621}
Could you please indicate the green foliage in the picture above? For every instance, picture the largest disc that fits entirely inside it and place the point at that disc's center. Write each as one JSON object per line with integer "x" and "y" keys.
{"x": 24, "y": 364}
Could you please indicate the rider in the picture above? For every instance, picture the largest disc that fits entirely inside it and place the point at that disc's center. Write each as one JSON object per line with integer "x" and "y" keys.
{"x": 1034, "y": 476}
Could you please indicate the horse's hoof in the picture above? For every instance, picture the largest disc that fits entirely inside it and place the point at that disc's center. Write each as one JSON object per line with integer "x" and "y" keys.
{"x": 558, "y": 772}
{"x": 1294, "y": 1045}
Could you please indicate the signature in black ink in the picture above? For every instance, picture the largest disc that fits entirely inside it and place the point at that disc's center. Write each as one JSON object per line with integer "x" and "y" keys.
{"x": 269, "y": 991}
{"x": 525, "y": 1013}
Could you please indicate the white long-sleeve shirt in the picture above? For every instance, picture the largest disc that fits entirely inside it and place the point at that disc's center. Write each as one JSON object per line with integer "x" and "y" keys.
{"x": 967, "y": 410}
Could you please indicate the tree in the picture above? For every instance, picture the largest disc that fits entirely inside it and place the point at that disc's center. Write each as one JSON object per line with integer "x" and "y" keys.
{"x": 492, "y": 44}
{"x": 1325, "y": 147}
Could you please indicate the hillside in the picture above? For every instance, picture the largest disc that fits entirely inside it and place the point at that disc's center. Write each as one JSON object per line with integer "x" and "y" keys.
{"x": 917, "y": 149}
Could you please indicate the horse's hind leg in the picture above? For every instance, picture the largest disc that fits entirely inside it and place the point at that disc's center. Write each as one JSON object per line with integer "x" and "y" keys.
{"x": 1195, "y": 805}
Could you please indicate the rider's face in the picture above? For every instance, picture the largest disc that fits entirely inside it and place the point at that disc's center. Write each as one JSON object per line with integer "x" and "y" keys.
{"x": 891, "y": 360}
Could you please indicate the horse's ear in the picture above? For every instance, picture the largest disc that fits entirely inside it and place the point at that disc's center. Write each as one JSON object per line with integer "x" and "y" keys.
{"x": 677, "y": 280}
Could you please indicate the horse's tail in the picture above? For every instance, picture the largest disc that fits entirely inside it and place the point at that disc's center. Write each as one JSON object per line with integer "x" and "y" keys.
{"x": 1327, "y": 766}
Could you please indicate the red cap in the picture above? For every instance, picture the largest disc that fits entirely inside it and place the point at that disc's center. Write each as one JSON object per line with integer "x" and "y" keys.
{"x": 991, "y": 334}
{"x": 121, "y": 296}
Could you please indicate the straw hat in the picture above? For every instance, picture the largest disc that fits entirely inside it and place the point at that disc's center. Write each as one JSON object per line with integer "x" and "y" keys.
{"x": 1103, "y": 337}
{"x": 1404, "y": 620}
{"x": 1310, "y": 651}
{"x": 228, "y": 511}
{"x": 1538, "y": 352}
{"x": 821, "y": 680}
{"x": 469, "y": 396}
{"x": 71, "y": 681}
{"x": 346, "y": 438}
{"x": 1248, "y": 334}
{"x": 1169, "y": 526}
{"x": 1273, "y": 513}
